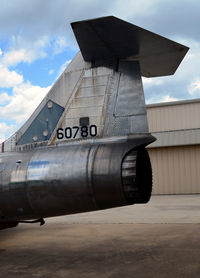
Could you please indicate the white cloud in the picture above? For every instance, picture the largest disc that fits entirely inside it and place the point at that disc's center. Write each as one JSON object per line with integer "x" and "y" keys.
{"x": 189, "y": 56}
{"x": 24, "y": 101}
{"x": 152, "y": 81}
{"x": 1, "y": 52}
{"x": 4, "y": 97}
{"x": 25, "y": 96}
{"x": 51, "y": 71}
{"x": 160, "y": 98}
{"x": 23, "y": 51}
{"x": 6, "y": 131}
{"x": 133, "y": 8}
{"x": 9, "y": 78}
{"x": 194, "y": 88}
{"x": 15, "y": 57}
{"x": 168, "y": 98}
{"x": 60, "y": 44}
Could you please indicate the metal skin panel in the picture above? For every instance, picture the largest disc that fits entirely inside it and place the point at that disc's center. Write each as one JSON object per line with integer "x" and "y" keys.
{"x": 130, "y": 97}
{"x": 89, "y": 100}
{"x": 58, "y": 181}
{"x": 13, "y": 195}
{"x": 43, "y": 125}
{"x": 64, "y": 180}
{"x": 77, "y": 64}
{"x": 63, "y": 88}
{"x": 126, "y": 112}
{"x": 110, "y": 38}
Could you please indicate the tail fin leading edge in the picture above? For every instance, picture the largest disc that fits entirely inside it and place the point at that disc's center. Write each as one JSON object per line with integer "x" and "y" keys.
{"x": 100, "y": 93}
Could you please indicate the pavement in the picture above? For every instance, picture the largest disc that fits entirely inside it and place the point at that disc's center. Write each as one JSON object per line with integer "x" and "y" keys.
{"x": 158, "y": 240}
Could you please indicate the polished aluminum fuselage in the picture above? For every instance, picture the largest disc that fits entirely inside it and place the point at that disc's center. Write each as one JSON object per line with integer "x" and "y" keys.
{"x": 93, "y": 124}
{"x": 64, "y": 179}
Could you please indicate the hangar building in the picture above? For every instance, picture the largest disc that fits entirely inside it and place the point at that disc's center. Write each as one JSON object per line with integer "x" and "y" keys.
{"x": 175, "y": 156}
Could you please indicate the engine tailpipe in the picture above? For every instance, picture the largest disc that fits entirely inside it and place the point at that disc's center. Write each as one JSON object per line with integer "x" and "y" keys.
{"x": 137, "y": 176}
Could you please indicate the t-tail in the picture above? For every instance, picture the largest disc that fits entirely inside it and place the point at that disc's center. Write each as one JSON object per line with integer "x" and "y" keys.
{"x": 83, "y": 148}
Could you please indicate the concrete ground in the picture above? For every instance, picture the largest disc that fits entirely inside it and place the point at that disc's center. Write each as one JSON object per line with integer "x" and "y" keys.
{"x": 157, "y": 240}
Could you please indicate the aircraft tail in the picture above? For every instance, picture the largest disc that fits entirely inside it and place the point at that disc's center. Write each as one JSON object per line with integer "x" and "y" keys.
{"x": 100, "y": 93}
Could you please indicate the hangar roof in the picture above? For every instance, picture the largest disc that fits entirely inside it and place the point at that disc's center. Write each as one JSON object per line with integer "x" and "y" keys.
{"x": 170, "y": 103}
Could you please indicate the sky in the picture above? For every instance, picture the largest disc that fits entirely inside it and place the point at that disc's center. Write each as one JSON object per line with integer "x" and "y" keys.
{"x": 37, "y": 43}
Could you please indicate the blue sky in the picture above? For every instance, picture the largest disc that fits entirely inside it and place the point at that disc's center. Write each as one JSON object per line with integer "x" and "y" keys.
{"x": 36, "y": 43}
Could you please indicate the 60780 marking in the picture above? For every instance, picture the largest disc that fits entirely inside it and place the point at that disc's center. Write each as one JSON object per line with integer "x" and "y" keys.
{"x": 72, "y": 132}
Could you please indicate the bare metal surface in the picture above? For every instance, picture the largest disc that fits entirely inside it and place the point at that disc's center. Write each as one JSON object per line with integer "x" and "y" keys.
{"x": 63, "y": 249}
{"x": 109, "y": 37}
{"x": 126, "y": 111}
{"x": 64, "y": 180}
{"x": 88, "y": 100}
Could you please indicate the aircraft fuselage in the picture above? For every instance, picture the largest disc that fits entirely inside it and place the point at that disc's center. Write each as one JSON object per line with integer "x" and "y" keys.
{"x": 74, "y": 178}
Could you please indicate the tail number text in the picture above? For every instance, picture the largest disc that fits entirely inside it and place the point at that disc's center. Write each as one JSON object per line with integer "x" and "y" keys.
{"x": 72, "y": 132}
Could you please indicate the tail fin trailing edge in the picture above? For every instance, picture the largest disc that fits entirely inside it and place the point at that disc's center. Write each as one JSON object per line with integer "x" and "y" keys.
{"x": 102, "y": 87}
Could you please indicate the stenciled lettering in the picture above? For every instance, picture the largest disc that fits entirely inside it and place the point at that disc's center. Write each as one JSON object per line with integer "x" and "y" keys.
{"x": 72, "y": 132}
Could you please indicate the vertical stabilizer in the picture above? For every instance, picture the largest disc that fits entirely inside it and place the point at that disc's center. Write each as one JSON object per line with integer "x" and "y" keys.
{"x": 100, "y": 93}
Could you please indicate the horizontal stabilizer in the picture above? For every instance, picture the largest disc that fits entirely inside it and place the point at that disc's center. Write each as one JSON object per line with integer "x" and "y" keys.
{"x": 110, "y": 38}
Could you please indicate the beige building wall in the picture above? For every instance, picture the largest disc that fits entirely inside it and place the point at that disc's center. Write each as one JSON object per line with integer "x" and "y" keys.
{"x": 176, "y": 170}
{"x": 174, "y": 116}
{"x": 175, "y": 157}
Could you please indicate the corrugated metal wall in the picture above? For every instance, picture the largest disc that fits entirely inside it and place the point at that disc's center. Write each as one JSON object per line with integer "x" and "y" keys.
{"x": 175, "y": 156}
{"x": 173, "y": 117}
{"x": 176, "y": 170}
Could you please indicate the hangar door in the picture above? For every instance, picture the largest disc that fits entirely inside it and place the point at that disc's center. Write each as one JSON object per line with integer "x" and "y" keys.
{"x": 176, "y": 170}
